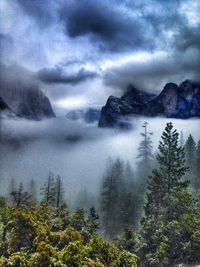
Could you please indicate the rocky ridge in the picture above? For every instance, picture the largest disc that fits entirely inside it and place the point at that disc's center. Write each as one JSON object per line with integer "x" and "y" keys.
{"x": 174, "y": 101}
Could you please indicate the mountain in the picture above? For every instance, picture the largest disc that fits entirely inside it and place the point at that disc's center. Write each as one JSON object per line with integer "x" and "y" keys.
{"x": 89, "y": 115}
{"x": 5, "y": 110}
{"x": 174, "y": 101}
{"x": 22, "y": 94}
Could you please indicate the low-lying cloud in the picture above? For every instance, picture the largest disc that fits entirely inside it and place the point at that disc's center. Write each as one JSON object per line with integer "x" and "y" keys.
{"x": 56, "y": 75}
{"x": 74, "y": 150}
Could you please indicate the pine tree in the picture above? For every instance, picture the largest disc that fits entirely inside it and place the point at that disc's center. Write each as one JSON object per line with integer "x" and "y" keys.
{"x": 171, "y": 160}
{"x": 145, "y": 154}
{"x": 59, "y": 192}
{"x": 92, "y": 221}
{"x": 190, "y": 152}
{"x": 111, "y": 198}
{"x": 171, "y": 157}
{"x": 144, "y": 167}
{"x": 78, "y": 220}
{"x": 181, "y": 140}
{"x": 11, "y": 188}
{"x": 129, "y": 177}
{"x": 48, "y": 191}
{"x": 85, "y": 199}
{"x": 20, "y": 197}
{"x": 190, "y": 148}
{"x": 197, "y": 168}
{"x": 33, "y": 190}
{"x": 127, "y": 240}
{"x": 168, "y": 203}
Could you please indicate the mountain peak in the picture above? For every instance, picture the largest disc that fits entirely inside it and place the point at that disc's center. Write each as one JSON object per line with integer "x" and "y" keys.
{"x": 174, "y": 101}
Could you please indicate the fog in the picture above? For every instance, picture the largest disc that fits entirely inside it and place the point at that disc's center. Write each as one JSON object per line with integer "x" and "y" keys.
{"x": 76, "y": 151}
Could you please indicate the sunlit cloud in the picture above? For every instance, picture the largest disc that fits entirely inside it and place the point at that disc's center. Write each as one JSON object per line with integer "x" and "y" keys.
{"x": 139, "y": 57}
{"x": 72, "y": 102}
{"x": 191, "y": 10}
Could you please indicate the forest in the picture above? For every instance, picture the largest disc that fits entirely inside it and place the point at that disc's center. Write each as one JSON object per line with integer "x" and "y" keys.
{"x": 148, "y": 216}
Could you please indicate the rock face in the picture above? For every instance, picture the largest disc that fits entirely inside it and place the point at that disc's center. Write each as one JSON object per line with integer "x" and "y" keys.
{"x": 5, "y": 110}
{"x": 174, "y": 101}
{"x": 35, "y": 106}
{"x": 22, "y": 93}
{"x": 3, "y": 105}
{"x": 89, "y": 115}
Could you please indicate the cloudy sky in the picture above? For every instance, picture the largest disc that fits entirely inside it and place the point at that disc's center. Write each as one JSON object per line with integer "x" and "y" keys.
{"x": 81, "y": 51}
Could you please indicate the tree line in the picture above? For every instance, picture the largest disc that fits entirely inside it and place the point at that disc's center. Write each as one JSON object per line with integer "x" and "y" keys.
{"x": 152, "y": 211}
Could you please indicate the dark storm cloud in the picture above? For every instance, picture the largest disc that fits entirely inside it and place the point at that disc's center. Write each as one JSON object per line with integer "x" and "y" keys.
{"x": 41, "y": 11}
{"x": 108, "y": 24}
{"x": 117, "y": 26}
{"x": 187, "y": 37}
{"x": 152, "y": 75}
{"x": 82, "y": 33}
{"x": 56, "y": 75}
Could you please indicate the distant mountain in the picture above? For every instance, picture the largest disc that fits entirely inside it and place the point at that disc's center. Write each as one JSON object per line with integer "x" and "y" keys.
{"x": 89, "y": 115}
{"x": 174, "y": 101}
{"x": 22, "y": 94}
{"x": 5, "y": 110}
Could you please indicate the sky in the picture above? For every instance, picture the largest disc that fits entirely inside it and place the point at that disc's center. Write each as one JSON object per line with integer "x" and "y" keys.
{"x": 81, "y": 51}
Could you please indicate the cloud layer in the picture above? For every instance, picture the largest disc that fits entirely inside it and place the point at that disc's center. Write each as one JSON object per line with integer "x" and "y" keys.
{"x": 144, "y": 42}
{"x": 55, "y": 75}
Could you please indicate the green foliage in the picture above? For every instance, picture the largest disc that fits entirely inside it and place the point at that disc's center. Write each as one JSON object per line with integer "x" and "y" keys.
{"x": 92, "y": 221}
{"x": 4, "y": 211}
{"x": 31, "y": 240}
{"x": 78, "y": 219}
{"x": 74, "y": 254}
{"x": 196, "y": 182}
{"x": 109, "y": 255}
{"x": 21, "y": 229}
{"x": 127, "y": 240}
{"x": 48, "y": 191}
{"x": 61, "y": 239}
{"x": 117, "y": 202}
{"x": 167, "y": 235}
{"x": 190, "y": 147}
{"x": 48, "y": 234}
{"x": 18, "y": 259}
{"x": 20, "y": 197}
{"x": 190, "y": 153}
{"x": 145, "y": 156}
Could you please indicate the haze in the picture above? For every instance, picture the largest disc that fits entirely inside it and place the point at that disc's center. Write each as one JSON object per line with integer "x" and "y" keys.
{"x": 75, "y": 150}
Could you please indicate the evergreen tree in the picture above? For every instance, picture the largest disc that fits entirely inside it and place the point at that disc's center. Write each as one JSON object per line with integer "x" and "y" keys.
{"x": 145, "y": 154}
{"x": 20, "y": 197}
{"x": 111, "y": 195}
{"x": 125, "y": 211}
{"x": 127, "y": 240}
{"x": 48, "y": 191}
{"x": 33, "y": 190}
{"x": 59, "y": 192}
{"x": 190, "y": 152}
{"x": 171, "y": 161}
{"x": 181, "y": 140}
{"x": 11, "y": 188}
{"x": 85, "y": 199}
{"x": 144, "y": 167}
{"x": 168, "y": 203}
{"x": 78, "y": 220}
{"x": 92, "y": 221}
{"x": 128, "y": 199}
{"x": 197, "y": 168}
{"x": 190, "y": 148}
{"x": 129, "y": 177}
